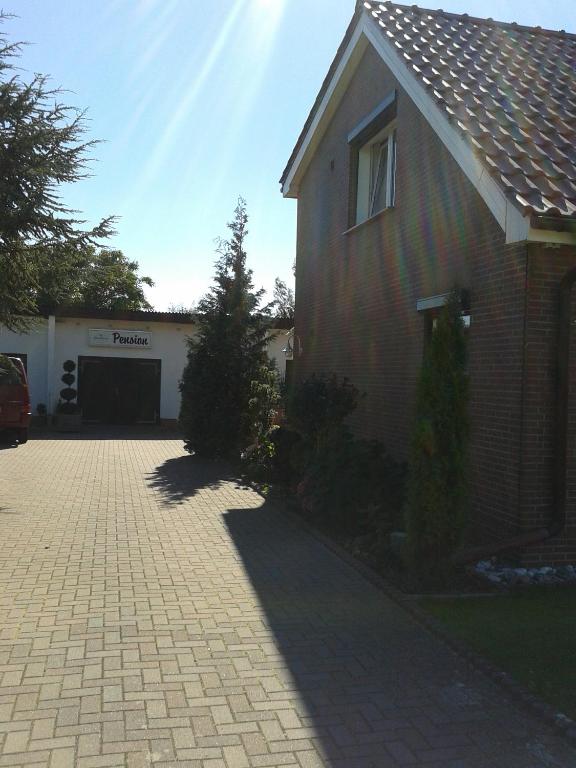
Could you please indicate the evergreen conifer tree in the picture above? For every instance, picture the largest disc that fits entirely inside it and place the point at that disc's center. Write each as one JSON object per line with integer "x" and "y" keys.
{"x": 42, "y": 148}
{"x": 227, "y": 381}
{"x": 437, "y": 487}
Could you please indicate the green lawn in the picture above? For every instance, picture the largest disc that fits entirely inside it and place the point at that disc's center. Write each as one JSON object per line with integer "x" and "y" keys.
{"x": 531, "y": 635}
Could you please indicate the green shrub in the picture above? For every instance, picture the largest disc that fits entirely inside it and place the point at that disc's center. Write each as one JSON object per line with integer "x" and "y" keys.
{"x": 68, "y": 395}
{"x": 437, "y": 489}
{"x": 354, "y": 486}
{"x": 317, "y": 406}
{"x": 351, "y": 485}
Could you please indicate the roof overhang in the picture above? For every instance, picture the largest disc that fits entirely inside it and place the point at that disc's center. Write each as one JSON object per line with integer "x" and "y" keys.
{"x": 333, "y": 89}
{"x": 514, "y": 223}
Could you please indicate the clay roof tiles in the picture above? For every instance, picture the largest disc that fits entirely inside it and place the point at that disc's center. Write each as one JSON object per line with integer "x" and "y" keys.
{"x": 509, "y": 89}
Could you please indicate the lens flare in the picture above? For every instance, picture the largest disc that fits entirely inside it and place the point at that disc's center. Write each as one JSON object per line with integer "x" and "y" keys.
{"x": 238, "y": 58}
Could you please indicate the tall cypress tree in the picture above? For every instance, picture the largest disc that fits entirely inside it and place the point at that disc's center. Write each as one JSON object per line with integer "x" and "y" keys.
{"x": 437, "y": 481}
{"x": 227, "y": 359}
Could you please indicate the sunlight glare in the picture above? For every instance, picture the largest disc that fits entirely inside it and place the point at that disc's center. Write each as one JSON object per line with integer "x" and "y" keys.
{"x": 250, "y": 28}
{"x": 261, "y": 30}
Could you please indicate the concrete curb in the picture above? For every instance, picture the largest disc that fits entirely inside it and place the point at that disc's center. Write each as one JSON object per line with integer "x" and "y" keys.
{"x": 544, "y": 712}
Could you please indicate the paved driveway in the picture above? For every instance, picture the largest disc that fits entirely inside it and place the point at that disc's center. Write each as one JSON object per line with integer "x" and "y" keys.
{"x": 154, "y": 612}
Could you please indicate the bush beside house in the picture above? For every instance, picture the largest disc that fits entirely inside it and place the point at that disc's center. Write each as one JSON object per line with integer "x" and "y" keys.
{"x": 355, "y": 489}
{"x": 437, "y": 484}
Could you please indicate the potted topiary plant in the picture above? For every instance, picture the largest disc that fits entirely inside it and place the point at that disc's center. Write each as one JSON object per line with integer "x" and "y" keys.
{"x": 68, "y": 414}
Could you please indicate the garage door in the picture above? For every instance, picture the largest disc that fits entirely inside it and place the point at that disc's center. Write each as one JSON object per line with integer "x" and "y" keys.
{"x": 117, "y": 390}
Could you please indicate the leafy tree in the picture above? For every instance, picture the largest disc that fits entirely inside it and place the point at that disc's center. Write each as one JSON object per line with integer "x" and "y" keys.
{"x": 283, "y": 301}
{"x": 108, "y": 280}
{"x": 89, "y": 278}
{"x": 437, "y": 488}
{"x": 41, "y": 148}
{"x": 58, "y": 272}
{"x": 225, "y": 386}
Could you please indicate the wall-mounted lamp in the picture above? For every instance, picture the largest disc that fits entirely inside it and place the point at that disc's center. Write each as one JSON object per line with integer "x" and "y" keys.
{"x": 293, "y": 345}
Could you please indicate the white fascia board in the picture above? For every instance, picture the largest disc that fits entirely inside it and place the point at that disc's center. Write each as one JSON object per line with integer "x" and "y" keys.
{"x": 513, "y": 223}
{"x": 431, "y": 302}
{"x": 338, "y": 84}
{"x": 551, "y": 236}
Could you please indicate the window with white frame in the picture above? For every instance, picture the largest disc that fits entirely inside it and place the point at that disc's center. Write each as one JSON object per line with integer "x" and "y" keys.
{"x": 373, "y": 162}
{"x": 376, "y": 171}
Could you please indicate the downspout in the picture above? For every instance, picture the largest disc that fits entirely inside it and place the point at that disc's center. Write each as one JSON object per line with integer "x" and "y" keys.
{"x": 557, "y": 519}
{"x": 51, "y": 343}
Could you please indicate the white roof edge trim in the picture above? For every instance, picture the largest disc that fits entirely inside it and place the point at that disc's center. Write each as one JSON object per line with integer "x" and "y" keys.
{"x": 550, "y": 236}
{"x": 289, "y": 188}
{"x": 510, "y": 219}
{"x": 514, "y": 224}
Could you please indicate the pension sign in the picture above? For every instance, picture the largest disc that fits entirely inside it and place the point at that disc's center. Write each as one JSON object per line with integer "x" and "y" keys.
{"x": 104, "y": 337}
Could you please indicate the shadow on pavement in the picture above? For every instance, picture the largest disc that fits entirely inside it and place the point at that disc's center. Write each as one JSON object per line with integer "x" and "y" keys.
{"x": 376, "y": 689}
{"x": 182, "y": 477}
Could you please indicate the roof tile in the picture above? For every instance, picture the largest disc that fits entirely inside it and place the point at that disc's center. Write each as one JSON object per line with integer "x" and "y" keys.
{"x": 509, "y": 89}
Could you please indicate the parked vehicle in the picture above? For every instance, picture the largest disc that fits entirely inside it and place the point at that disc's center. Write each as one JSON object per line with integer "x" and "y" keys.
{"x": 15, "y": 411}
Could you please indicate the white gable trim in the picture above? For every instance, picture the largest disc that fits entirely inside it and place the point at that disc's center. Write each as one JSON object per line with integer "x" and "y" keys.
{"x": 326, "y": 109}
{"x": 550, "y": 236}
{"x": 513, "y": 223}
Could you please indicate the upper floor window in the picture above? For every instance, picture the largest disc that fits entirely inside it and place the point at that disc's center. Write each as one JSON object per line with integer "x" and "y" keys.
{"x": 376, "y": 166}
{"x": 373, "y": 162}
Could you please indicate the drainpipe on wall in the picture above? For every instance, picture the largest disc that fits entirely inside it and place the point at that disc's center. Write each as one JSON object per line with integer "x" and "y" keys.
{"x": 50, "y": 364}
{"x": 557, "y": 519}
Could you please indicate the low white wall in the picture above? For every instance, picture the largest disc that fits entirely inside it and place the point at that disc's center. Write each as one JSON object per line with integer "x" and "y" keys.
{"x": 34, "y": 344}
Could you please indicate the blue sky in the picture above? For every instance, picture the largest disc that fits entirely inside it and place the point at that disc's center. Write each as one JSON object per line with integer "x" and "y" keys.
{"x": 197, "y": 103}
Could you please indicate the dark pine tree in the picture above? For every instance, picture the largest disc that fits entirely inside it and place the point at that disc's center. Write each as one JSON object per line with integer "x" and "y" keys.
{"x": 227, "y": 365}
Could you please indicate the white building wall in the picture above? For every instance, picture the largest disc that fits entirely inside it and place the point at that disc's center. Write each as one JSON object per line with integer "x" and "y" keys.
{"x": 168, "y": 345}
{"x": 276, "y": 343}
{"x": 34, "y": 344}
{"x": 71, "y": 341}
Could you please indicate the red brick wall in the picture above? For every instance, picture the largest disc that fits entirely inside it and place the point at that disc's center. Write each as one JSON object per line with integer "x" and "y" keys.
{"x": 356, "y": 296}
{"x": 496, "y": 369}
{"x": 547, "y": 267}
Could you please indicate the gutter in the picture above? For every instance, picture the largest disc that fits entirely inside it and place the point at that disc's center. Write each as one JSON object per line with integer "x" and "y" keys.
{"x": 557, "y": 520}
{"x": 553, "y": 223}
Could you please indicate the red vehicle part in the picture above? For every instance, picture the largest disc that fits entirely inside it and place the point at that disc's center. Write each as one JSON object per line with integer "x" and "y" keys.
{"x": 15, "y": 411}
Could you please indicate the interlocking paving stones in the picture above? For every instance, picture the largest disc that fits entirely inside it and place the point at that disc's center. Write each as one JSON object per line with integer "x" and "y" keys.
{"x": 155, "y": 612}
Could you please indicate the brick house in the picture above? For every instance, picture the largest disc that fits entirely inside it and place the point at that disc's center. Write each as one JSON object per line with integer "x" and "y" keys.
{"x": 441, "y": 150}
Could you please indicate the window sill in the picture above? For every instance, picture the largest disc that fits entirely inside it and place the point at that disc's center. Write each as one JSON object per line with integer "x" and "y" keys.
{"x": 371, "y": 219}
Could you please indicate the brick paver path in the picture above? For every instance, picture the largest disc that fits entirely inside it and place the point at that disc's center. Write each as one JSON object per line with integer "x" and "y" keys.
{"x": 154, "y": 612}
